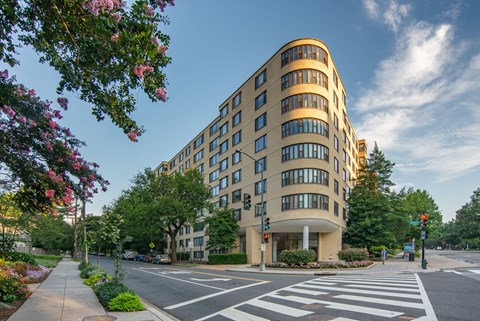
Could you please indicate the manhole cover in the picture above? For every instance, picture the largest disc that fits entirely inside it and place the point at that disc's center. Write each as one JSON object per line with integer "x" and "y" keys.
{"x": 100, "y": 318}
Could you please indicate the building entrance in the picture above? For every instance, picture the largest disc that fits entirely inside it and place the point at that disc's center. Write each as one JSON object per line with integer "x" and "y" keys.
{"x": 291, "y": 241}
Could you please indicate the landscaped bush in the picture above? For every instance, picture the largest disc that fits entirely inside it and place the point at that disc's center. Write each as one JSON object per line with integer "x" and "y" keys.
{"x": 94, "y": 279}
{"x": 108, "y": 290}
{"x": 125, "y": 302}
{"x": 12, "y": 287}
{"x": 376, "y": 251}
{"x": 297, "y": 256}
{"x": 353, "y": 255}
{"x": 20, "y": 256}
{"x": 89, "y": 269}
{"x": 233, "y": 258}
{"x": 322, "y": 265}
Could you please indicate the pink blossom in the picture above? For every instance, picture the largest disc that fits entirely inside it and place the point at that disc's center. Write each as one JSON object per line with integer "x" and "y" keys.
{"x": 149, "y": 11}
{"x": 19, "y": 92}
{"x": 162, "y": 49}
{"x": 31, "y": 123}
{"x": 133, "y": 136}
{"x": 50, "y": 193}
{"x": 83, "y": 179}
{"x": 31, "y": 92}
{"x": 57, "y": 114}
{"x": 85, "y": 166}
{"x": 76, "y": 166}
{"x": 55, "y": 213}
{"x": 49, "y": 146}
{"x": 92, "y": 177}
{"x": 161, "y": 93}
{"x": 63, "y": 102}
{"x": 138, "y": 71}
{"x": 4, "y": 74}
{"x": 9, "y": 111}
{"x": 22, "y": 119}
{"x": 52, "y": 124}
{"x": 155, "y": 40}
{"x": 116, "y": 16}
{"x": 115, "y": 37}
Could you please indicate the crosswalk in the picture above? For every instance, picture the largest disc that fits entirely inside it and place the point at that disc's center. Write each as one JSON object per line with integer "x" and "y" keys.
{"x": 463, "y": 272}
{"x": 338, "y": 298}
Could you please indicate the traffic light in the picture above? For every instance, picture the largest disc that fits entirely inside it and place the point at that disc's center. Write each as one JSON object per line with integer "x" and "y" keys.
{"x": 267, "y": 224}
{"x": 266, "y": 237}
{"x": 424, "y": 218}
{"x": 247, "y": 201}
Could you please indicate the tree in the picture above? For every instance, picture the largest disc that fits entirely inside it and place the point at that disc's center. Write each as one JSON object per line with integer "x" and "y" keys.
{"x": 468, "y": 221}
{"x": 12, "y": 222}
{"x": 221, "y": 230}
{"x": 51, "y": 232}
{"x": 371, "y": 213}
{"x": 103, "y": 50}
{"x": 40, "y": 160}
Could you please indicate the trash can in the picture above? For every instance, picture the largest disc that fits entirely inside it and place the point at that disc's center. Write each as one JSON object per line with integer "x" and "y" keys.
{"x": 411, "y": 256}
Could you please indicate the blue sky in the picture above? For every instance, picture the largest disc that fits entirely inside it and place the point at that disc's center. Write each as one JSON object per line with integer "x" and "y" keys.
{"x": 411, "y": 69}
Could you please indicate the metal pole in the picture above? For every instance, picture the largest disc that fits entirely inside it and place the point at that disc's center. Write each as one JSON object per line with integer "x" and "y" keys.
{"x": 262, "y": 219}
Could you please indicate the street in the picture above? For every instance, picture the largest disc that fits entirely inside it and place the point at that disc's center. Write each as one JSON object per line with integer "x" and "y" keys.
{"x": 196, "y": 293}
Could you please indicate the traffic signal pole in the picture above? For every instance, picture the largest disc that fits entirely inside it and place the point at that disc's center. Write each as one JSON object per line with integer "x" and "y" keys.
{"x": 423, "y": 237}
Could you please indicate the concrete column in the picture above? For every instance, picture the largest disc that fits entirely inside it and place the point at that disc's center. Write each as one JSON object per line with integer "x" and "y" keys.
{"x": 305, "y": 237}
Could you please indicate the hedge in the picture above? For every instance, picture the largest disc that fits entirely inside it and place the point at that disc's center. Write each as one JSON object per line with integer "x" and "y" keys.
{"x": 353, "y": 255}
{"x": 297, "y": 256}
{"x": 233, "y": 258}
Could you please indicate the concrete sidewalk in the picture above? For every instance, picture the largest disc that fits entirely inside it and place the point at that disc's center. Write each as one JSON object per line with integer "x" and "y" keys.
{"x": 64, "y": 297}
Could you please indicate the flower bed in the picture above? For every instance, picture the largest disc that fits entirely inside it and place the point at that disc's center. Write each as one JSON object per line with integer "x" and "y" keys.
{"x": 320, "y": 265}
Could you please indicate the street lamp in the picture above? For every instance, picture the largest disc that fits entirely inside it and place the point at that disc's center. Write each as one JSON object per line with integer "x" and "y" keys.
{"x": 262, "y": 211}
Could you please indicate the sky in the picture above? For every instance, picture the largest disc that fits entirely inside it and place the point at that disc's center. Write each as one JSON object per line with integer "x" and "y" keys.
{"x": 411, "y": 70}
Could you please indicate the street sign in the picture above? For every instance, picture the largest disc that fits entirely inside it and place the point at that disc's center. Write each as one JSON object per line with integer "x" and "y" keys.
{"x": 151, "y": 245}
{"x": 423, "y": 235}
{"x": 414, "y": 223}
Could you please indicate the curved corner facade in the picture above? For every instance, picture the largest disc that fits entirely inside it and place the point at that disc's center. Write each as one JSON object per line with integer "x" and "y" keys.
{"x": 291, "y": 116}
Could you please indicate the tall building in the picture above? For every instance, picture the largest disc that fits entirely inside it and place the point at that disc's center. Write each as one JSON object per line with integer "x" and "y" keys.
{"x": 291, "y": 117}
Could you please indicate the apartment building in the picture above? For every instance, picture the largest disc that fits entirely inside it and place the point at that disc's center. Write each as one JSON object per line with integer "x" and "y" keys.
{"x": 289, "y": 119}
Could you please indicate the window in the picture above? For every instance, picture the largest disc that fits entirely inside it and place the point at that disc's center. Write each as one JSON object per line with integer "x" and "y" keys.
{"x": 237, "y": 118}
{"x": 335, "y": 208}
{"x": 305, "y": 176}
{"x": 305, "y": 125}
{"x": 344, "y": 195}
{"x": 237, "y": 176}
{"x": 299, "y": 201}
{"x": 181, "y": 156}
{"x": 304, "y": 101}
{"x": 261, "y": 100}
{"x": 304, "y": 76}
{"x": 258, "y": 209}
{"x": 181, "y": 169}
{"x": 237, "y": 100}
{"x": 215, "y": 190}
{"x": 261, "y": 121}
{"x": 236, "y": 196}
{"x": 187, "y": 164}
{"x": 335, "y": 142}
{"x": 304, "y": 52}
{"x": 335, "y": 121}
{"x": 198, "y": 254}
{"x": 237, "y": 214}
{"x": 224, "y": 111}
{"x": 201, "y": 168}
{"x": 259, "y": 186}
{"x": 198, "y": 142}
{"x": 261, "y": 78}
{"x": 344, "y": 175}
{"x": 173, "y": 163}
{"x": 224, "y": 129}
{"x": 335, "y": 164}
{"x": 335, "y": 100}
{"x": 214, "y": 175}
{"x": 187, "y": 231}
{"x": 224, "y": 165}
{"x": 305, "y": 150}
{"x": 214, "y": 128}
{"x": 187, "y": 151}
{"x": 344, "y": 98}
{"x": 223, "y": 201}
{"x": 214, "y": 143}
{"x": 199, "y": 227}
{"x": 224, "y": 182}
{"x": 344, "y": 214}
{"x": 198, "y": 156}
{"x": 237, "y": 138}
{"x": 335, "y": 186}
{"x": 261, "y": 143}
{"x": 261, "y": 165}
{"x": 224, "y": 147}
{"x": 236, "y": 158}
{"x": 335, "y": 78}
{"x": 214, "y": 159}
{"x": 197, "y": 241}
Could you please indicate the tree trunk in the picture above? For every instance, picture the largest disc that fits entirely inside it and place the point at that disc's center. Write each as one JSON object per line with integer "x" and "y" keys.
{"x": 173, "y": 246}
{"x": 75, "y": 230}
{"x": 85, "y": 247}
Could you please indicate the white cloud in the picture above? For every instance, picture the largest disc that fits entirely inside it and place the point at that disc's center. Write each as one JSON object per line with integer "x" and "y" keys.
{"x": 372, "y": 8}
{"x": 390, "y": 12}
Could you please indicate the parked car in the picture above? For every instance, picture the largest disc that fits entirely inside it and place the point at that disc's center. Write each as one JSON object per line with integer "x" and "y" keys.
{"x": 129, "y": 255}
{"x": 162, "y": 259}
{"x": 139, "y": 257}
{"x": 149, "y": 257}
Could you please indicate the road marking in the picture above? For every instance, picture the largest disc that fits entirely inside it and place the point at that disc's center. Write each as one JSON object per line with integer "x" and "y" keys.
{"x": 221, "y": 275}
{"x": 275, "y": 307}
{"x": 426, "y": 302}
{"x": 235, "y": 314}
{"x": 344, "y": 319}
{"x": 372, "y": 287}
{"x": 320, "y": 282}
{"x": 171, "y": 307}
{"x": 209, "y": 280}
{"x": 341, "y": 306}
{"x": 374, "y": 278}
{"x": 452, "y": 271}
{"x": 175, "y": 272}
{"x": 374, "y": 283}
{"x": 338, "y": 289}
{"x": 304, "y": 291}
{"x": 475, "y": 271}
{"x": 381, "y": 301}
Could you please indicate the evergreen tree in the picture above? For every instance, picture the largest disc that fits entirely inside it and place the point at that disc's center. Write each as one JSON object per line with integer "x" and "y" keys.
{"x": 221, "y": 230}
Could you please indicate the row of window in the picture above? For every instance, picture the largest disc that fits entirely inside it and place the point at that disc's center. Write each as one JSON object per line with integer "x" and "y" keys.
{"x": 299, "y": 201}
{"x": 304, "y": 52}
{"x": 305, "y": 125}
{"x": 304, "y": 76}
{"x": 305, "y": 176}
{"x": 304, "y": 101}
{"x": 305, "y": 150}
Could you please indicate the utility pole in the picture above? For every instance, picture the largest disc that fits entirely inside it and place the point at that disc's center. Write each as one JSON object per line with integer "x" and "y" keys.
{"x": 85, "y": 247}
{"x": 423, "y": 235}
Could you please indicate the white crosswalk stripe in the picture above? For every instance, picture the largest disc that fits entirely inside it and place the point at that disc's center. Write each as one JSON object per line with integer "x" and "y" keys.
{"x": 366, "y": 295}
{"x": 475, "y": 271}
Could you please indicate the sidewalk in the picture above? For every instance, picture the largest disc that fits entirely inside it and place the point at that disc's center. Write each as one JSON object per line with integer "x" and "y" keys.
{"x": 64, "y": 297}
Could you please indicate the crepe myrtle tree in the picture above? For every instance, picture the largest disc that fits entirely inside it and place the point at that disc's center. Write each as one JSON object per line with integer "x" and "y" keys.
{"x": 104, "y": 50}
{"x": 40, "y": 160}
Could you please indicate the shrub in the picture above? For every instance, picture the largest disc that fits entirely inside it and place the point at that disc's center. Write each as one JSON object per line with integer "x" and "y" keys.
{"x": 376, "y": 251}
{"x": 94, "y": 279}
{"x": 233, "y": 258}
{"x": 23, "y": 257}
{"x": 295, "y": 257}
{"x": 108, "y": 290}
{"x": 90, "y": 270}
{"x": 353, "y": 255}
{"x": 12, "y": 289}
{"x": 125, "y": 302}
